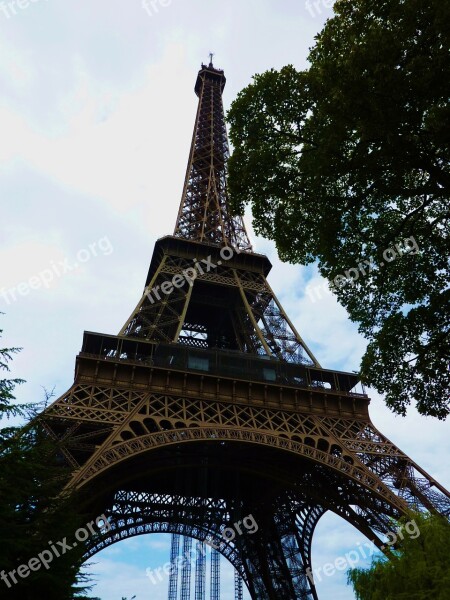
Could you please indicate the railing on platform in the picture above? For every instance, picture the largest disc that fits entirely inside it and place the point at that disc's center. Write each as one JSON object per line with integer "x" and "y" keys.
{"x": 224, "y": 363}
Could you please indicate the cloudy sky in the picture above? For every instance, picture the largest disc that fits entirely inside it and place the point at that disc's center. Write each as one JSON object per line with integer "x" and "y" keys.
{"x": 96, "y": 115}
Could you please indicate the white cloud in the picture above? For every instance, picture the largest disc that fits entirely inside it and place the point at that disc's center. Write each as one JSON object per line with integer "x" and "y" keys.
{"x": 15, "y": 66}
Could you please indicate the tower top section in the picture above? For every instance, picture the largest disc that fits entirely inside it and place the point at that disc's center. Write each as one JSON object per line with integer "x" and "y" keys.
{"x": 209, "y": 72}
{"x": 204, "y": 214}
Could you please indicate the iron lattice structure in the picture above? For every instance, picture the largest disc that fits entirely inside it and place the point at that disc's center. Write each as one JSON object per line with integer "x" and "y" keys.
{"x": 173, "y": 577}
{"x": 208, "y": 406}
{"x": 204, "y": 214}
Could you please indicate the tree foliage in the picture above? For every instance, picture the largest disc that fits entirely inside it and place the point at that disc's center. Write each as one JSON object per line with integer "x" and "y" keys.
{"x": 32, "y": 509}
{"x": 7, "y": 409}
{"x": 417, "y": 570}
{"x": 345, "y": 160}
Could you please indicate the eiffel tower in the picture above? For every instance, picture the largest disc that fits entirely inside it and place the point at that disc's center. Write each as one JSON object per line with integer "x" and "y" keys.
{"x": 209, "y": 407}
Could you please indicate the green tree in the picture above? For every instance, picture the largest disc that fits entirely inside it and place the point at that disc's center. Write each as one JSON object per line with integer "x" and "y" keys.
{"x": 32, "y": 510}
{"x": 417, "y": 570}
{"x": 7, "y": 385}
{"x": 345, "y": 160}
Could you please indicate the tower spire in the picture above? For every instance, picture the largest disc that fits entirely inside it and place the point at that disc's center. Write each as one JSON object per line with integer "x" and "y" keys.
{"x": 204, "y": 213}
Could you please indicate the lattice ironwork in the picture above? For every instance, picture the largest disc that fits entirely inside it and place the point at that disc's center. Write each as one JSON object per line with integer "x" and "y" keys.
{"x": 204, "y": 213}
{"x": 185, "y": 280}
{"x": 247, "y": 315}
{"x": 353, "y": 447}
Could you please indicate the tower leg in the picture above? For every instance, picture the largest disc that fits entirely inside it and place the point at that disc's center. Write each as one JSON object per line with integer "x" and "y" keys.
{"x": 277, "y": 558}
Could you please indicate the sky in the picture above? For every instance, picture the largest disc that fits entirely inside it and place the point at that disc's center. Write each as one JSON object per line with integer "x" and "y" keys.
{"x": 96, "y": 115}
